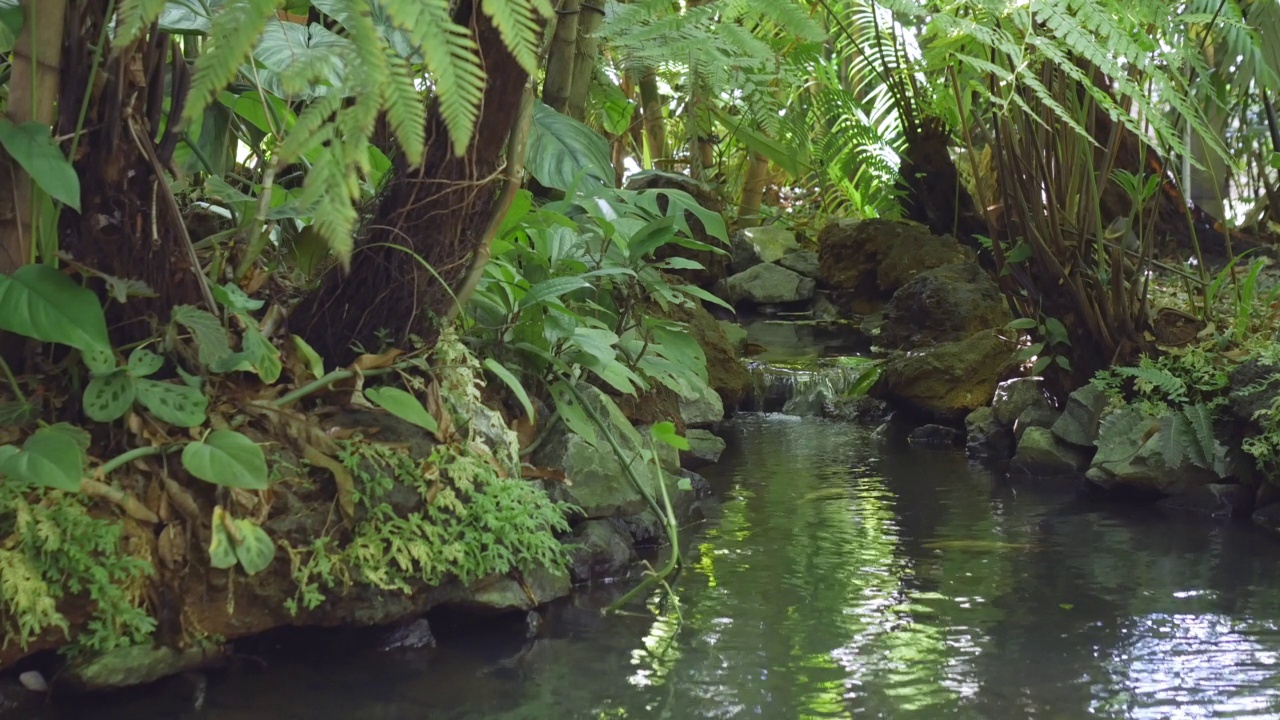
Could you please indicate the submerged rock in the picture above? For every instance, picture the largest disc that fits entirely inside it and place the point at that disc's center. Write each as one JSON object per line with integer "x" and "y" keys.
{"x": 947, "y": 381}
{"x": 935, "y": 436}
{"x": 1042, "y": 454}
{"x": 760, "y": 245}
{"x": 1078, "y": 424}
{"x": 824, "y": 310}
{"x": 864, "y": 262}
{"x": 413, "y": 635}
{"x": 862, "y": 409}
{"x": 705, "y": 448}
{"x": 136, "y": 665}
{"x": 766, "y": 284}
{"x": 943, "y": 304}
{"x": 986, "y": 438}
{"x": 600, "y": 551}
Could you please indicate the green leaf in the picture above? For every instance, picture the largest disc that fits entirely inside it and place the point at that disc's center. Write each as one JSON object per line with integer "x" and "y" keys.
{"x": 574, "y": 416}
{"x": 180, "y": 405}
{"x": 39, "y": 302}
{"x": 512, "y": 384}
{"x": 1275, "y": 160}
{"x": 1022, "y": 324}
{"x": 1063, "y": 362}
{"x": 560, "y": 148}
{"x": 665, "y": 432}
{"x": 143, "y": 362}
{"x": 221, "y": 553}
{"x": 1040, "y": 364}
{"x": 255, "y": 549}
{"x": 31, "y": 145}
{"x": 108, "y": 397}
{"x": 49, "y": 458}
{"x": 312, "y": 358}
{"x": 698, "y": 292}
{"x": 11, "y": 21}
{"x": 262, "y": 354}
{"x": 553, "y": 288}
{"x": 213, "y": 347}
{"x": 1055, "y": 332}
{"x": 234, "y": 299}
{"x": 227, "y": 458}
{"x": 403, "y": 405}
{"x": 186, "y": 17}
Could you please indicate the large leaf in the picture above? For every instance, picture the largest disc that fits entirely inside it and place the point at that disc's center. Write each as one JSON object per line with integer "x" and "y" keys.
{"x": 553, "y": 288}
{"x": 227, "y": 458}
{"x": 300, "y": 61}
{"x": 403, "y": 405}
{"x": 39, "y": 302}
{"x": 513, "y": 384}
{"x": 50, "y": 457}
{"x": 31, "y": 145}
{"x": 108, "y": 397}
{"x": 180, "y": 405}
{"x": 561, "y": 148}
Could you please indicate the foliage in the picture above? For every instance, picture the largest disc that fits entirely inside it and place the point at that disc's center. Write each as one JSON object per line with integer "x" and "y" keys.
{"x": 1192, "y": 377}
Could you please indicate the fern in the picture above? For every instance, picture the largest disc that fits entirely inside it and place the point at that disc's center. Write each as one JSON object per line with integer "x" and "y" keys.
{"x": 233, "y": 33}
{"x": 1149, "y": 378}
{"x": 521, "y": 30}
{"x": 1187, "y": 437}
{"x": 133, "y": 18}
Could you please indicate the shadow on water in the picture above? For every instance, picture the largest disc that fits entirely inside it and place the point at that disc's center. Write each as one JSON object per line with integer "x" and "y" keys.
{"x": 843, "y": 579}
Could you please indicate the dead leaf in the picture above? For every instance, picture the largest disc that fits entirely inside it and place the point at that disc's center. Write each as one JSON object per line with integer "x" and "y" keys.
{"x": 444, "y": 420}
{"x": 529, "y": 472}
{"x": 525, "y": 429}
{"x": 341, "y": 479}
{"x": 172, "y": 547}
{"x": 373, "y": 362}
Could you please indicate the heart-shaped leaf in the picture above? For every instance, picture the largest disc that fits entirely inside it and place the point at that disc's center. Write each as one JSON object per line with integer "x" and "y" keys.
{"x": 109, "y": 397}
{"x": 50, "y": 457}
{"x": 255, "y": 549}
{"x": 180, "y": 405}
{"x": 227, "y": 458}
{"x": 143, "y": 362}
{"x": 39, "y": 302}
{"x": 32, "y": 146}
{"x": 403, "y": 405}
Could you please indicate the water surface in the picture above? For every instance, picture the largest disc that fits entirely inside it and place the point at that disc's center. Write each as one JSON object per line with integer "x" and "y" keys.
{"x": 843, "y": 579}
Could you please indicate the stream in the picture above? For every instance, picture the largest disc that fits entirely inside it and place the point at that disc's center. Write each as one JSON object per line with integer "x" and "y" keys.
{"x": 838, "y": 578}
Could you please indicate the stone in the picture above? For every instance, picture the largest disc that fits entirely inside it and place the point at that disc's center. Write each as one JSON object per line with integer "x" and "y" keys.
{"x": 759, "y": 245}
{"x": 700, "y": 405}
{"x": 600, "y": 551}
{"x": 1013, "y": 397}
{"x": 32, "y": 680}
{"x": 943, "y": 304}
{"x": 824, "y": 310}
{"x": 136, "y": 665}
{"x": 1078, "y": 424}
{"x": 803, "y": 262}
{"x": 862, "y": 409}
{"x": 647, "y": 529}
{"x": 985, "y": 437}
{"x": 598, "y": 484}
{"x": 1035, "y": 416}
{"x": 705, "y": 448}
{"x": 935, "y": 436}
{"x": 1268, "y": 517}
{"x": 503, "y": 593}
{"x": 736, "y": 335}
{"x": 764, "y": 284}
{"x": 1233, "y": 500}
{"x": 1041, "y": 453}
{"x": 413, "y": 635}
{"x": 864, "y": 262}
{"x": 947, "y": 381}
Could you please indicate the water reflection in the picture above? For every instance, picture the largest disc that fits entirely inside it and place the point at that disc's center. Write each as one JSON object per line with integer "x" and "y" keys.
{"x": 842, "y": 579}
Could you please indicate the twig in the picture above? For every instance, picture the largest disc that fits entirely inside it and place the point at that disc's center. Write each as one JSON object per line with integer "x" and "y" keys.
{"x": 127, "y": 502}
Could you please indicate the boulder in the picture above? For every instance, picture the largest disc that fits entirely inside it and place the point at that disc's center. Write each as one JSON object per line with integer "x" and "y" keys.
{"x": 943, "y": 304}
{"x": 1134, "y": 459}
{"x": 646, "y": 529}
{"x": 862, "y": 409}
{"x": 600, "y": 551}
{"x": 736, "y": 335}
{"x": 1035, "y": 416}
{"x": 700, "y": 405}
{"x": 598, "y": 485}
{"x": 864, "y": 262}
{"x": 987, "y": 438}
{"x": 803, "y": 262}
{"x": 759, "y": 245}
{"x": 136, "y": 665}
{"x": 715, "y": 265}
{"x": 947, "y": 381}
{"x": 824, "y": 310}
{"x": 504, "y": 593}
{"x": 766, "y": 284}
{"x": 1016, "y": 396}
{"x": 1078, "y": 423}
{"x": 935, "y": 436}
{"x": 1042, "y": 454}
{"x": 705, "y": 448}
{"x": 412, "y": 635}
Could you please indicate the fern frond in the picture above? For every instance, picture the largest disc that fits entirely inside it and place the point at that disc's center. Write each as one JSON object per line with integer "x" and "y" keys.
{"x": 133, "y": 18}
{"x": 517, "y": 21}
{"x": 234, "y": 32}
{"x": 405, "y": 112}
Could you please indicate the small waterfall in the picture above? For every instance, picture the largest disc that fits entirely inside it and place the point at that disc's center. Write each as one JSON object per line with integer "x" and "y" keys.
{"x": 800, "y": 388}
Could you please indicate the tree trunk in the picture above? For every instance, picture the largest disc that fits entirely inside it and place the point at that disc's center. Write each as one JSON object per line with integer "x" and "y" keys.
{"x": 561, "y": 59}
{"x": 655, "y": 129}
{"x": 753, "y": 190}
{"x": 586, "y": 49}
{"x": 440, "y": 213}
{"x": 33, "y": 96}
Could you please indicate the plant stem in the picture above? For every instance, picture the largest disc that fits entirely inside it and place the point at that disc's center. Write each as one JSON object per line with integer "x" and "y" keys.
{"x": 13, "y": 381}
{"x": 123, "y": 459}
{"x": 326, "y": 381}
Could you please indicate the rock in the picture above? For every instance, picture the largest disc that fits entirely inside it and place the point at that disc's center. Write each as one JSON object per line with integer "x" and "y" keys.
{"x": 647, "y": 529}
{"x": 1130, "y": 459}
{"x": 985, "y": 437}
{"x": 802, "y": 262}
{"x": 1078, "y": 424}
{"x": 413, "y": 635}
{"x": 865, "y": 262}
{"x": 1035, "y": 416}
{"x": 1223, "y": 499}
{"x": 700, "y": 405}
{"x": 862, "y": 409}
{"x": 935, "y": 436}
{"x": 715, "y": 265}
{"x": 600, "y": 551}
{"x": 705, "y": 448}
{"x": 32, "y": 680}
{"x": 1013, "y": 397}
{"x": 947, "y": 381}
{"x": 1268, "y": 517}
{"x": 503, "y": 593}
{"x": 725, "y": 374}
{"x": 18, "y": 702}
{"x": 598, "y": 484}
{"x": 736, "y": 335}
{"x": 759, "y": 245}
{"x": 824, "y": 310}
{"x": 136, "y": 665}
{"x": 943, "y": 304}
{"x": 766, "y": 284}
{"x": 1042, "y": 454}
{"x": 1255, "y": 386}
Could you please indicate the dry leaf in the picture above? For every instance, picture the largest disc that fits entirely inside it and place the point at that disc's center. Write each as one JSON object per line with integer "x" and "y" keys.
{"x": 341, "y": 478}
{"x": 373, "y": 362}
